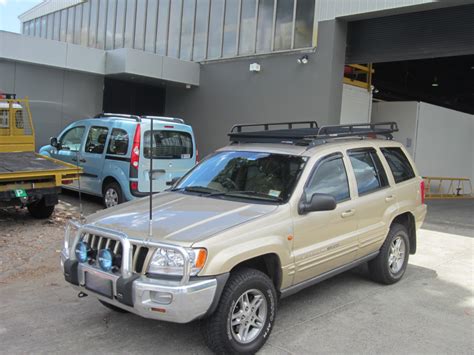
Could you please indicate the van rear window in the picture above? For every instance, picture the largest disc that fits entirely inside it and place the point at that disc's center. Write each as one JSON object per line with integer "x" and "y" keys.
{"x": 168, "y": 145}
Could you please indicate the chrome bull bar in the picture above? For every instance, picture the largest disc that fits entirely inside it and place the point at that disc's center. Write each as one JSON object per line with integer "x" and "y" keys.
{"x": 126, "y": 241}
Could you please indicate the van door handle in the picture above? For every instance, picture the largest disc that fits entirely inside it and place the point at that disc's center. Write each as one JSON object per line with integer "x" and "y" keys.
{"x": 389, "y": 198}
{"x": 82, "y": 160}
{"x": 74, "y": 159}
{"x": 347, "y": 213}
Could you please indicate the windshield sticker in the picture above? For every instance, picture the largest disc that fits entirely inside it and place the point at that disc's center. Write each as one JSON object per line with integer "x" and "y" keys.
{"x": 185, "y": 156}
{"x": 274, "y": 193}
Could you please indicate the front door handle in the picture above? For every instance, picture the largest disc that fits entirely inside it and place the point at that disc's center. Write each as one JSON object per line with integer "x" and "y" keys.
{"x": 82, "y": 160}
{"x": 348, "y": 213}
{"x": 389, "y": 198}
{"x": 74, "y": 159}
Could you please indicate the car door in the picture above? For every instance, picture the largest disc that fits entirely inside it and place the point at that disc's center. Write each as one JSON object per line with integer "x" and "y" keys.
{"x": 375, "y": 199}
{"x": 326, "y": 240}
{"x": 92, "y": 158}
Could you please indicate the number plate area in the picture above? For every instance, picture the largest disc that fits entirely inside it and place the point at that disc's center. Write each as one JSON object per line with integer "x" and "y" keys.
{"x": 98, "y": 284}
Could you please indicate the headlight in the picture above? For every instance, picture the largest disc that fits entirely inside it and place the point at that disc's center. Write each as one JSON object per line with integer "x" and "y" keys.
{"x": 171, "y": 262}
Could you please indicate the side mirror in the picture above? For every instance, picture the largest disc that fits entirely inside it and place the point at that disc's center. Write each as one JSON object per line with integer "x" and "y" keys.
{"x": 54, "y": 143}
{"x": 318, "y": 202}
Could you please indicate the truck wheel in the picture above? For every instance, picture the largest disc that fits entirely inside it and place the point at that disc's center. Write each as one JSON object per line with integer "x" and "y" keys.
{"x": 244, "y": 317}
{"x": 390, "y": 265}
{"x": 112, "y": 195}
{"x": 112, "y": 307}
{"x": 39, "y": 210}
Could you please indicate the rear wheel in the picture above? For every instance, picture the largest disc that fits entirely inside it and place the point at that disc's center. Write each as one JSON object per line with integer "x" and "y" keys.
{"x": 38, "y": 209}
{"x": 244, "y": 317}
{"x": 390, "y": 265}
{"x": 112, "y": 307}
{"x": 112, "y": 195}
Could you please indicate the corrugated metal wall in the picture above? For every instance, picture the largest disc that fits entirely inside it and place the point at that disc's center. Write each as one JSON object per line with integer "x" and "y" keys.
{"x": 428, "y": 34}
{"x": 330, "y": 9}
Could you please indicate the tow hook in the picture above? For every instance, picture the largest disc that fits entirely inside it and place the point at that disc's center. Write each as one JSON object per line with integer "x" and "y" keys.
{"x": 82, "y": 294}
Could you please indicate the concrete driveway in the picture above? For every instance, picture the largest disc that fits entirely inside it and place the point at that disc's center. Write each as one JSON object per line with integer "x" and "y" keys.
{"x": 429, "y": 311}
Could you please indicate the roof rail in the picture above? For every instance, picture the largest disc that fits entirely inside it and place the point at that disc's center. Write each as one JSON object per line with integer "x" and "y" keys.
{"x": 311, "y": 135}
{"x": 117, "y": 115}
{"x": 168, "y": 119}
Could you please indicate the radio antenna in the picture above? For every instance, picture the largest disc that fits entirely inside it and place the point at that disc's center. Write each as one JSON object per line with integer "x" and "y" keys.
{"x": 81, "y": 210}
{"x": 150, "y": 225}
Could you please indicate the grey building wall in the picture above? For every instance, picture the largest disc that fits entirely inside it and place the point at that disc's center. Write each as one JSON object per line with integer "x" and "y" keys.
{"x": 283, "y": 91}
{"x": 57, "y": 97}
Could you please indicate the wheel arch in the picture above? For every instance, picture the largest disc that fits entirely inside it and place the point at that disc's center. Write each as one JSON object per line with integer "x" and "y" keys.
{"x": 407, "y": 219}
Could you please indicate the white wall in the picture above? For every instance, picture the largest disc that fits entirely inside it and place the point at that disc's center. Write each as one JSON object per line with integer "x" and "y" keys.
{"x": 440, "y": 140}
{"x": 356, "y": 105}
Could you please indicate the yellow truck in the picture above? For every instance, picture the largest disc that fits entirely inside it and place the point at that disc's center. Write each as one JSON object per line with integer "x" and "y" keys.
{"x": 27, "y": 179}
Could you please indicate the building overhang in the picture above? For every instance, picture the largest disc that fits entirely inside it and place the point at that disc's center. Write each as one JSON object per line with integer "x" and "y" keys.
{"x": 124, "y": 62}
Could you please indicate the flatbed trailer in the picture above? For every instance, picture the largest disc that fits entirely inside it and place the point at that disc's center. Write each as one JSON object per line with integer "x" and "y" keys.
{"x": 28, "y": 179}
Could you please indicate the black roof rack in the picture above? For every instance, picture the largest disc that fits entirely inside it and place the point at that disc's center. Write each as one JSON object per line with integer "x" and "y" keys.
{"x": 117, "y": 115}
{"x": 311, "y": 135}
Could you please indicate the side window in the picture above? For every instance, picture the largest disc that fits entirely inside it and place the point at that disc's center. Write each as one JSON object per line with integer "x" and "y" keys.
{"x": 330, "y": 178}
{"x": 118, "y": 143}
{"x": 368, "y": 170}
{"x": 71, "y": 140}
{"x": 399, "y": 164}
{"x": 96, "y": 140}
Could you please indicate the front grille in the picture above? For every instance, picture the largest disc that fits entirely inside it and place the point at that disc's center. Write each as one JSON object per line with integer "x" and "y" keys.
{"x": 140, "y": 254}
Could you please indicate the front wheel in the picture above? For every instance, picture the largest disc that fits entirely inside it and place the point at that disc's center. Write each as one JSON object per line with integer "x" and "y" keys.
{"x": 244, "y": 317}
{"x": 390, "y": 265}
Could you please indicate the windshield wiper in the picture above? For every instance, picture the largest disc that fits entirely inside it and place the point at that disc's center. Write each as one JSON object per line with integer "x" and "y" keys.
{"x": 198, "y": 189}
{"x": 249, "y": 194}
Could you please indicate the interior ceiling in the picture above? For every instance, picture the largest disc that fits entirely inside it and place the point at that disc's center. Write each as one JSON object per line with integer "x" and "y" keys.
{"x": 416, "y": 80}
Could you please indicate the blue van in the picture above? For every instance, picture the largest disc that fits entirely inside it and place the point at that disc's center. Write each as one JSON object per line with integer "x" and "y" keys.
{"x": 114, "y": 152}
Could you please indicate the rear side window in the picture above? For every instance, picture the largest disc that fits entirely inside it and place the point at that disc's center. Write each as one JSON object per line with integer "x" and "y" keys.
{"x": 330, "y": 178}
{"x": 118, "y": 143}
{"x": 399, "y": 164}
{"x": 96, "y": 140}
{"x": 368, "y": 170}
{"x": 168, "y": 145}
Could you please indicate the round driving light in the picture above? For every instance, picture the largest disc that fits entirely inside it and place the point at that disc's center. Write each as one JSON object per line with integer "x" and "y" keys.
{"x": 105, "y": 259}
{"x": 81, "y": 252}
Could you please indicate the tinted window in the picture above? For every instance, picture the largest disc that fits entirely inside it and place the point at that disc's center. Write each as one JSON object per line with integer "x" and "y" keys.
{"x": 330, "y": 178}
{"x": 368, "y": 171}
{"x": 118, "y": 143}
{"x": 399, "y": 164}
{"x": 169, "y": 145}
{"x": 96, "y": 140}
{"x": 71, "y": 140}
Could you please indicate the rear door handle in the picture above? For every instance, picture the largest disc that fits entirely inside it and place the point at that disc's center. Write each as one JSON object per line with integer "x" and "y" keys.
{"x": 389, "y": 198}
{"x": 347, "y": 213}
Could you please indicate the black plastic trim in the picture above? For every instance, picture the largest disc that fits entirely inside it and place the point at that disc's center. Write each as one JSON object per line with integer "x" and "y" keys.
{"x": 113, "y": 157}
{"x": 124, "y": 288}
{"x": 70, "y": 271}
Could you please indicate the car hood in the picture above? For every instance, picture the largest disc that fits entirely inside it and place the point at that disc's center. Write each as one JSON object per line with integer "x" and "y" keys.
{"x": 178, "y": 217}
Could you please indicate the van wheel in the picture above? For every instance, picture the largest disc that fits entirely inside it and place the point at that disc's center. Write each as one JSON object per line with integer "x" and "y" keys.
{"x": 244, "y": 317}
{"x": 112, "y": 195}
{"x": 112, "y": 307}
{"x": 390, "y": 265}
{"x": 39, "y": 210}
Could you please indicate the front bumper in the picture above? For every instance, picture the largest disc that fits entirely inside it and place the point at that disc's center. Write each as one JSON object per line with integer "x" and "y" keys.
{"x": 164, "y": 300}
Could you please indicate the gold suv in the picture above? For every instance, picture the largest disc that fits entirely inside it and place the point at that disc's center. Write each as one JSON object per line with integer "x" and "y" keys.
{"x": 278, "y": 210}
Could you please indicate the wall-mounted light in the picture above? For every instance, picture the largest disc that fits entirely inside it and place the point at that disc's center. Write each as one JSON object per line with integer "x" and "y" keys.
{"x": 255, "y": 68}
{"x": 435, "y": 83}
{"x": 303, "y": 60}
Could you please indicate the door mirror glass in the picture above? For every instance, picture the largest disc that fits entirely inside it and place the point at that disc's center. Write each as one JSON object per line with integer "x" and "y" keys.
{"x": 318, "y": 202}
{"x": 54, "y": 143}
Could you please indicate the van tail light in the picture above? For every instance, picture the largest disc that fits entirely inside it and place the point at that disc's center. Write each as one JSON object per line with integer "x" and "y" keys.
{"x": 135, "y": 157}
{"x": 133, "y": 185}
{"x": 422, "y": 191}
{"x": 197, "y": 156}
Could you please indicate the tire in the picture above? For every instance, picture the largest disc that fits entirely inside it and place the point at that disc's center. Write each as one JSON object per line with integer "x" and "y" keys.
{"x": 112, "y": 195}
{"x": 388, "y": 267}
{"x": 39, "y": 209}
{"x": 220, "y": 336}
{"x": 112, "y": 307}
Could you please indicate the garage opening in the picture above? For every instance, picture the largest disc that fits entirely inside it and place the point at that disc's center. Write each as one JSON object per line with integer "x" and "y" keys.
{"x": 130, "y": 97}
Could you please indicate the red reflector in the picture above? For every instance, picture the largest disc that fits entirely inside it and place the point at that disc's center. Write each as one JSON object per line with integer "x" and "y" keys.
{"x": 422, "y": 191}
{"x": 161, "y": 310}
{"x": 67, "y": 182}
{"x": 169, "y": 126}
{"x": 134, "y": 185}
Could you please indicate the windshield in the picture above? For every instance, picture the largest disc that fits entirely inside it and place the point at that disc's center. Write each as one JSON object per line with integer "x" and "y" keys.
{"x": 248, "y": 175}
